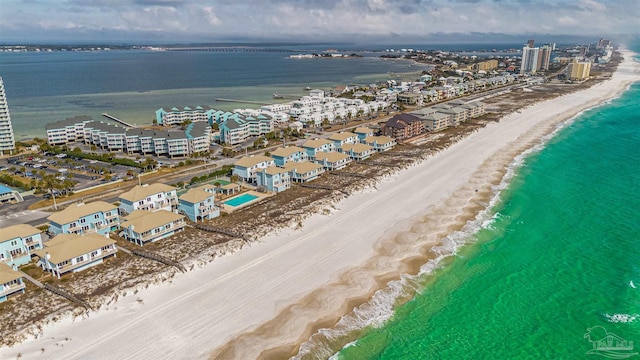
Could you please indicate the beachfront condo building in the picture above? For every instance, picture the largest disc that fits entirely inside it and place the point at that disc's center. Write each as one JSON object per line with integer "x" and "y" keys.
{"x": 580, "y": 70}
{"x": 248, "y": 167}
{"x": 274, "y": 179}
{"x": 238, "y": 128}
{"x": 195, "y": 138}
{"x": 67, "y": 253}
{"x": 143, "y": 227}
{"x": 357, "y": 152}
{"x": 67, "y": 131}
{"x": 7, "y": 139}
{"x": 152, "y": 197}
{"x": 11, "y": 282}
{"x": 544, "y": 57}
{"x": 18, "y": 242}
{"x": 380, "y": 143}
{"x": 95, "y": 217}
{"x": 169, "y": 116}
{"x": 529, "y": 63}
{"x": 402, "y": 126}
{"x": 284, "y": 155}
{"x": 198, "y": 204}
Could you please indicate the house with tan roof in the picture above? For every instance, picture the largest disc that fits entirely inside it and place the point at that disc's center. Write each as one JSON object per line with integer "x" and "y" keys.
{"x": 143, "y": 226}
{"x": 357, "y": 152}
{"x": 380, "y": 143}
{"x": 315, "y": 146}
{"x": 72, "y": 253}
{"x": 152, "y": 197}
{"x": 283, "y": 155}
{"x": 11, "y": 282}
{"x": 198, "y": 204}
{"x": 304, "y": 171}
{"x": 362, "y": 132}
{"x": 94, "y": 217}
{"x": 18, "y": 242}
{"x": 247, "y": 167}
{"x": 275, "y": 179}
{"x": 333, "y": 160}
{"x": 343, "y": 137}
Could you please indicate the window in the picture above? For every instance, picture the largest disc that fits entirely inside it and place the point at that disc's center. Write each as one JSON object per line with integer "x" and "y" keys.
{"x": 80, "y": 259}
{"x": 140, "y": 202}
{"x": 14, "y": 242}
{"x": 96, "y": 216}
{"x": 83, "y": 220}
{"x": 159, "y": 196}
{"x": 94, "y": 253}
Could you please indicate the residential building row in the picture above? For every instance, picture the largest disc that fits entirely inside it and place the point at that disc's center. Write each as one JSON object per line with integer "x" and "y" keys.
{"x": 80, "y": 232}
{"x": 431, "y": 119}
{"x": 195, "y": 138}
{"x": 301, "y": 164}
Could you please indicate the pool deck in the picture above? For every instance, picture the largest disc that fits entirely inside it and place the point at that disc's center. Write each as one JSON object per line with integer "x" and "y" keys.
{"x": 259, "y": 197}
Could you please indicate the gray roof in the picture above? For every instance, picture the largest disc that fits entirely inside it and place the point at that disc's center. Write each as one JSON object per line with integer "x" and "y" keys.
{"x": 436, "y": 116}
{"x": 113, "y": 129}
{"x": 68, "y": 122}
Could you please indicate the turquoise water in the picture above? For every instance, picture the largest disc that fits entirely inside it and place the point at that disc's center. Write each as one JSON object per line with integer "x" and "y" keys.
{"x": 562, "y": 255}
{"x": 240, "y": 200}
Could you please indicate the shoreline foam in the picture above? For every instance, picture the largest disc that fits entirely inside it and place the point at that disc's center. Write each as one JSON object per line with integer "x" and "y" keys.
{"x": 262, "y": 286}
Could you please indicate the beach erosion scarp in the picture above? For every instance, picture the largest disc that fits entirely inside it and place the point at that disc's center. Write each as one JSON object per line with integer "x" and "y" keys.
{"x": 270, "y": 297}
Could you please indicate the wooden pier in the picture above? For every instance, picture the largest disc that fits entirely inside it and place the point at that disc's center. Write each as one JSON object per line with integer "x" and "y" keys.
{"x": 243, "y": 101}
{"x": 119, "y": 121}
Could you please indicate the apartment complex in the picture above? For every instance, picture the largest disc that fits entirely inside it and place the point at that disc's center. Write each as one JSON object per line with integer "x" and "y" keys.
{"x": 195, "y": 138}
{"x": 168, "y": 116}
{"x": 529, "y": 59}
{"x": 580, "y": 70}
{"x": 7, "y": 139}
{"x": 67, "y": 131}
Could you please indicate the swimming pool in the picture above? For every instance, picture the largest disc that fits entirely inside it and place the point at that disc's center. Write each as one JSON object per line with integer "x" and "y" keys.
{"x": 240, "y": 199}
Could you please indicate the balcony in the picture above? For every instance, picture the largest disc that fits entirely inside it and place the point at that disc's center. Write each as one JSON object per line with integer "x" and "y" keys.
{"x": 70, "y": 267}
{"x": 13, "y": 288}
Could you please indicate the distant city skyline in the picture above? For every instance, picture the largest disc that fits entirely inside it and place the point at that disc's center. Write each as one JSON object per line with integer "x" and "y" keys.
{"x": 386, "y": 21}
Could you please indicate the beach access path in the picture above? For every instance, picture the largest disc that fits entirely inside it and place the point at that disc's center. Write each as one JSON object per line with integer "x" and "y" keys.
{"x": 268, "y": 282}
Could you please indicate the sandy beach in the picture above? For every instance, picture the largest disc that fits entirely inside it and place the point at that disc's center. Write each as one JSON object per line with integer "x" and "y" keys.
{"x": 269, "y": 298}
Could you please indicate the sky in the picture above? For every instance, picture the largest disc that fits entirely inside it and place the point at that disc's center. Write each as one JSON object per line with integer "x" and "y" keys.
{"x": 385, "y": 21}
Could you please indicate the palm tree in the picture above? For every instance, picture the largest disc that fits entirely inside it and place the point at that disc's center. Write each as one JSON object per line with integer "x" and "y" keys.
{"x": 52, "y": 184}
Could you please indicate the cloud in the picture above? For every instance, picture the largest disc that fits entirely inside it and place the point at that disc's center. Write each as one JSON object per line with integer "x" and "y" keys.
{"x": 212, "y": 20}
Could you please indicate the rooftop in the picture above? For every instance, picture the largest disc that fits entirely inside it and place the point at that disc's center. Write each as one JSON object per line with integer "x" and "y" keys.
{"x": 316, "y": 143}
{"x": 331, "y": 156}
{"x": 195, "y": 195}
{"x": 302, "y": 167}
{"x": 286, "y": 151}
{"x": 249, "y": 161}
{"x": 342, "y": 136}
{"x": 144, "y": 220}
{"x": 141, "y": 192}
{"x": 7, "y": 274}
{"x": 75, "y": 211}
{"x": 17, "y": 231}
{"x": 68, "y": 246}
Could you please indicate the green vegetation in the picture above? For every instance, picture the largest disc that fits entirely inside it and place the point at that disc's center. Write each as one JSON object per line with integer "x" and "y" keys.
{"x": 12, "y": 181}
{"x": 222, "y": 171}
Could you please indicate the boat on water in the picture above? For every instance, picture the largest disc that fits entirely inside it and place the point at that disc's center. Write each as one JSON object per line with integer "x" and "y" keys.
{"x": 277, "y": 96}
{"x": 307, "y": 88}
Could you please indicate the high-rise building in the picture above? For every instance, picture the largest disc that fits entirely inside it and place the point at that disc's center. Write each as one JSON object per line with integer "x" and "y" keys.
{"x": 603, "y": 43}
{"x": 580, "y": 70}
{"x": 530, "y": 43}
{"x": 544, "y": 57}
{"x": 7, "y": 140}
{"x": 529, "y": 60}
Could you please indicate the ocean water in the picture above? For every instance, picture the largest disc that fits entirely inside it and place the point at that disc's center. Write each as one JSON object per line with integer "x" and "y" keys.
{"x": 561, "y": 256}
{"x": 47, "y": 87}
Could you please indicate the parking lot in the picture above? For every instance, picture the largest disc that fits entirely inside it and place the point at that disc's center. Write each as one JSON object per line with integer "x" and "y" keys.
{"x": 85, "y": 172}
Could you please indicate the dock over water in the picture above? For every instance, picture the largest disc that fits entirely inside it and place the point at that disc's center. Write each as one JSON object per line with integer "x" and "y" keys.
{"x": 119, "y": 121}
{"x": 243, "y": 101}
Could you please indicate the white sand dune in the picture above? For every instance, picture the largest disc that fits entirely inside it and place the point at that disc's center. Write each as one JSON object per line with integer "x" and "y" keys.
{"x": 296, "y": 277}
